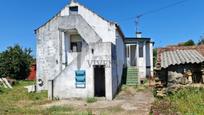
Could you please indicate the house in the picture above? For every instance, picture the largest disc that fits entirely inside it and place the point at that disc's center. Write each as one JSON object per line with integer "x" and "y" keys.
{"x": 175, "y": 62}
{"x": 139, "y": 53}
{"x": 80, "y": 54}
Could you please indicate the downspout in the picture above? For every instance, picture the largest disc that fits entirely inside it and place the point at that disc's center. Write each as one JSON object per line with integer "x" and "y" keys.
{"x": 52, "y": 89}
{"x": 51, "y": 83}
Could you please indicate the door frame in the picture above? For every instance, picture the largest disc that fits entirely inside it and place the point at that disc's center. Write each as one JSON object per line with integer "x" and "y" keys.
{"x": 103, "y": 66}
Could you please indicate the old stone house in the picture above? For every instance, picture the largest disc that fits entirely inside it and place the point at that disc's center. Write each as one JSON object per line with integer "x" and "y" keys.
{"x": 181, "y": 64}
{"x": 80, "y": 54}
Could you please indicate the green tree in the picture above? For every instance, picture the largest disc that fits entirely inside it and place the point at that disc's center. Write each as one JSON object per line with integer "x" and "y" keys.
{"x": 154, "y": 56}
{"x": 15, "y": 62}
{"x": 187, "y": 43}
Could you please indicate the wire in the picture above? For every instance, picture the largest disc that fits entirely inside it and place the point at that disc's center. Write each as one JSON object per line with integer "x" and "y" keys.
{"x": 156, "y": 10}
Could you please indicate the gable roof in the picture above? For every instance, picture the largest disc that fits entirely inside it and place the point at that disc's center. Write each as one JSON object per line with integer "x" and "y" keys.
{"x": 176, "y": 55}
{"x": 58, "y": 14}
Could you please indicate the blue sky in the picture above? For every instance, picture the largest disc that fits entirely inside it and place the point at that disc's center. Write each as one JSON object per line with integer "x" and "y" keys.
{"x": 19, "y": 19}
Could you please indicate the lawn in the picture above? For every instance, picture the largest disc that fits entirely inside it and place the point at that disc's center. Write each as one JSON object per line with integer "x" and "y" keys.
{"x": 187, "y": 101}
{"x": 17, "y": 101}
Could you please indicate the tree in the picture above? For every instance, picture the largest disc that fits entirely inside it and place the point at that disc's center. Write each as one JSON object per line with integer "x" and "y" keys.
{"x": 15, "y": 62}
{"x": 201, "y": 41}
{"x": 154, "y": 56}
{"x": 187, "y": 43}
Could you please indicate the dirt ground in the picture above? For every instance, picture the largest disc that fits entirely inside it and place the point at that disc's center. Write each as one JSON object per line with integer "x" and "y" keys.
{"x": 130, "y": 101}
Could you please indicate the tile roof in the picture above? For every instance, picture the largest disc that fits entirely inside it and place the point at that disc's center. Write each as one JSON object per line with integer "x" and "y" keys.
{"x": 179, "y": 55}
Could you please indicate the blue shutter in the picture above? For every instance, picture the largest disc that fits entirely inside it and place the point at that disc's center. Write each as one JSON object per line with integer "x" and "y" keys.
{"x": 80, "y": 77}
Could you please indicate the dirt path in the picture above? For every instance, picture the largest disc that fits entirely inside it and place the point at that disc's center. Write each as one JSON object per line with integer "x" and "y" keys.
{"x": 127, "y": 102}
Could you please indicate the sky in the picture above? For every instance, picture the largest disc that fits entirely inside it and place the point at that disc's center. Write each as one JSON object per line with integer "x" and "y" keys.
{"x": 178, "y": 23}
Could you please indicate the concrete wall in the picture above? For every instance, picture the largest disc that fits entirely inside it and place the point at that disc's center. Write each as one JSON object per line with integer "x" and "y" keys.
{"x": 52, "y": 52}
{"x": 120, "y": 54}
{"x": 64, "y": 84}
{"x": 103, "y": 28}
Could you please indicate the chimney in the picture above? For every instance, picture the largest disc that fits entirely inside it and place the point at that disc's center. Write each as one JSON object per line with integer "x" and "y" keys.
{"x": 138, "y": 34}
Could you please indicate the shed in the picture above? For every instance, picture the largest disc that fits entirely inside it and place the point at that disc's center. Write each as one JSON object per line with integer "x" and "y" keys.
{"x": 181, "y": 61}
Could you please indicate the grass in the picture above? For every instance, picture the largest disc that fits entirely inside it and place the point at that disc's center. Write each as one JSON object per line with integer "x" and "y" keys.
{"x": 18, "y": 101}
{"x": 91, "y": 99}
{"x": 187, "y": 101}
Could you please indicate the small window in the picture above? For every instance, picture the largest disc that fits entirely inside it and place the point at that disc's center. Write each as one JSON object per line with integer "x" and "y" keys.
{"x": 141, "y": 50}
{"x": 73, "y": 9}
{"x": 76, "y": 43}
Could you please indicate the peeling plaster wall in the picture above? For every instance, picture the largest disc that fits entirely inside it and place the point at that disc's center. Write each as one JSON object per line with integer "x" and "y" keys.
{"x": 95, "y": 31}
{"x": 64, "y": 85}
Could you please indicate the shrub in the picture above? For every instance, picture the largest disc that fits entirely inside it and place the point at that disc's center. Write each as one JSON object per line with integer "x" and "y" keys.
{"x": 15, "y": 62}
{"x": 185, "y": 101}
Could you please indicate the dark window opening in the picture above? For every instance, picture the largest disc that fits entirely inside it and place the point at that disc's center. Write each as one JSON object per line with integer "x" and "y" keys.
{"x": 75, "y": 43}
{"x": 73, "y": 9}
{"x": 141, "y": 50}
{"x": 76, "y": 46}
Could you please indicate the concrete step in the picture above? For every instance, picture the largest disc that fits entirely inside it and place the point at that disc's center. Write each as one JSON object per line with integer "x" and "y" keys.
{"x": 132, "y": 76}
{"x": 132, "y": 71}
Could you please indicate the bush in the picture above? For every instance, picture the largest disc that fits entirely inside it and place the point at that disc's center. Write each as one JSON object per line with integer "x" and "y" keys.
{"x": 185, "y": 101}
{"x": 15, "y": 62}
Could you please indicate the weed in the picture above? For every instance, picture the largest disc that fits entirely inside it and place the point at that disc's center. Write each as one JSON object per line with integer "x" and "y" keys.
{"x": 185, "y": 101}
{"x": 91, "y": 99}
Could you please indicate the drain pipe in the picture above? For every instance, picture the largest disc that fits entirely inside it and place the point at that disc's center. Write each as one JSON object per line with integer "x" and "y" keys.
{"x": 51, "y": 88}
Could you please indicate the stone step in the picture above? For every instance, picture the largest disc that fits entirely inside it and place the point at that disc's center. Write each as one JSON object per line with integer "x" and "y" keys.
{"x": 131, "y": 80}
{"x": 128, "y": 82}
{"x": 132, "y": 71}
{"x": 132, "y": 76}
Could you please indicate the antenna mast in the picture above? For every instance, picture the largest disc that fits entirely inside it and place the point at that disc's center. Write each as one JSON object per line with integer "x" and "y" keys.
{"x": 137, "y": 22}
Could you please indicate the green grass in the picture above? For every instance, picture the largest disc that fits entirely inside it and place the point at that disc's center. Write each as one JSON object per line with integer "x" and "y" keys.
{"x": 187, "y": 101}
{"x": 91, "y": 99}
{"x": 65, "y": 110}
{"x": 18, "y": 101}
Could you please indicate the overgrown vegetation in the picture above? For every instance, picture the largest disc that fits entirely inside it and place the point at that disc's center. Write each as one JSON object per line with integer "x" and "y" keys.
{"x": 15, "y": 62}
{"x": 154, "y": 56}
{"x": 18, "y": 101}
{"x": 189, "y": 101}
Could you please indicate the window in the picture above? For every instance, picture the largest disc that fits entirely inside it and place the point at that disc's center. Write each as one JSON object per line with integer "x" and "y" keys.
{"x": 75, "y": 43}
{"x": 140, "y": 49}
{"x": 73, "y": 9}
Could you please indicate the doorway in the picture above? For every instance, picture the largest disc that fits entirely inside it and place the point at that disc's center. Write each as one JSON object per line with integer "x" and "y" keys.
{"x": 133, "y": 55}
{"x": 99, "y": 81}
